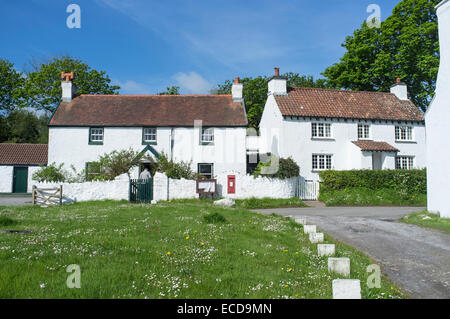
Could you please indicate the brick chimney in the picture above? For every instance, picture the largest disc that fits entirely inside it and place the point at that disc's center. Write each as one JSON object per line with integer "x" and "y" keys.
{"x": 277, "y": 84}
{"x": 68, "y": 88}
{"x": 400, "y": 90}
{"x": 236, "y": 90}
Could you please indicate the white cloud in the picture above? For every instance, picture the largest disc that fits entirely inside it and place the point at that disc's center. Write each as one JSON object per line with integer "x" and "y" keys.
{"x": 192, "y": 82}
{"x": 132, "y": 87}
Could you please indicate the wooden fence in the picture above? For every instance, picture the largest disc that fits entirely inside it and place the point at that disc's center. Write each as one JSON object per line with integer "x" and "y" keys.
{"x": 47, "y": 196}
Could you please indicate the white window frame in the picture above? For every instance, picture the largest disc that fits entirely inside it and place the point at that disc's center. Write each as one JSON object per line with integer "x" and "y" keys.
{"x": 326, "y": 158}
{"x": 364, "y": 129}
{"x": 96, "y": 135}
{"x": 321, "y": 127}
{"x": 207, "y": 136}
{"x": 206, "y": 164}
{"x": 404, "y": 133}
{"x": 405, "y": 162}
{"x": 153, "y": 132}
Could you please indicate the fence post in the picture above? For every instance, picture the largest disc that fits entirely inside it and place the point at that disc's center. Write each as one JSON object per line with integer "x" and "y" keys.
{"x": 33, "y": 198}
{"x": 60, "y": 195}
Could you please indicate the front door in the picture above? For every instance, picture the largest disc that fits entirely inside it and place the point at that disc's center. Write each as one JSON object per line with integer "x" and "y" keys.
{"x": 20, "y": 179}
{"x": 377, "y": 160}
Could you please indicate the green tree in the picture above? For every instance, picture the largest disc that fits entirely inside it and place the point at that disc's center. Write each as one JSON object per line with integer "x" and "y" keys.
{"x": 173, "y": 90}
{"x": 43, "y": 84}
{"x": 11, "y": 82}
{"x": 23, "y": 126}
{"x": 255, "y": 92}
{"x": 406, "y": 46}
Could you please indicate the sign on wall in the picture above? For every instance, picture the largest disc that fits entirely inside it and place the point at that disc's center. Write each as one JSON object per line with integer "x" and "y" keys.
{"x": 206, "y": 186}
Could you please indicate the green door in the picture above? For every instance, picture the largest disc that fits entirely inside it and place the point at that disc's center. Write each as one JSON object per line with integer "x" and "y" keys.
{"x": 20, "y": 179}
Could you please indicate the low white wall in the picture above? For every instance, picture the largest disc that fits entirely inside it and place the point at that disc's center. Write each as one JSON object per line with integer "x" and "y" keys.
{"x": 81, "y": 192}
{"x": 246, "y": 186}
{"x": 6, "y": 179}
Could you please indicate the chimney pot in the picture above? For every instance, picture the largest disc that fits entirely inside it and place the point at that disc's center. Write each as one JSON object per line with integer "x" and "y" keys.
{"x": 399, "y": 80}
{"x": 277, "y": 71}
{"x": 68, "y": 88}
{"x": 237, "y": 90}
{"x": 236, "y": 80}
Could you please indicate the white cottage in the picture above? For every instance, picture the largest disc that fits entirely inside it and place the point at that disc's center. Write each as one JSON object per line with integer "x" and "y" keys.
{"x": 437, "y": 119}
{"x": 208, "y": 130}
{"x": 323, "y": 129}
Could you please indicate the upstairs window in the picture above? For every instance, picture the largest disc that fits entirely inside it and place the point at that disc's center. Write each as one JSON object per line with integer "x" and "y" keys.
{"x": 207, "y": 136}
{"x": 149, "y": 135}
{"x": 96, "y": 135}
{"x": 403, "y": 133}
{"x": 321, "y": 162}
{"x": 321, "y": 130}
{"x": 404, "y": 162}
{"x": 363, "y": 131}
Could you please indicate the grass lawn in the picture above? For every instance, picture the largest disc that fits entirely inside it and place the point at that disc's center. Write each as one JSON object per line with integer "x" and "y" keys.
{"x": 428, "y": 220}
{"x": 368, "y": 197}
{"x": 256, "y": 203}
{"x": 181, "y": 249}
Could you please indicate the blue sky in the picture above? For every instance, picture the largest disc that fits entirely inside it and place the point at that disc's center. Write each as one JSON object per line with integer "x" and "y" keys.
{"x": 146, "y": 46}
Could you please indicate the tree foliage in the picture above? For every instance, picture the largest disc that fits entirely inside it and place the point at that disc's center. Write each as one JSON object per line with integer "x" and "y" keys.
{"x": 23, "y": 126}
{"x": 255, "y": 92}
{"x": 11, "y": 83}
{"x": 173, "y": 90}
{"x": 42, "y": 88}
{"x": 406, "y": 46}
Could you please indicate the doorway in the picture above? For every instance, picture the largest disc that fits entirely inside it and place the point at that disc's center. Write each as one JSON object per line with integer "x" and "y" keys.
{"x": 377, "y": 160}
{"x": 20, "y": 179}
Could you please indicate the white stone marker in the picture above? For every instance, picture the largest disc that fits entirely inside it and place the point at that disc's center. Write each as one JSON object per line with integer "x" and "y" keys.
{"x": 301, "y": 221}
{"x": 326, "y": 249}
{"x": 339, "y": 266}
{"x": 346, "y": 289}
{"x": 308, "y": 229}
{"x": 315, "y": 238}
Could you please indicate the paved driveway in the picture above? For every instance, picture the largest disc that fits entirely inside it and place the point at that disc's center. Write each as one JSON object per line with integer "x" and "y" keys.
{"x": 15, "y": 200}
{"x": 417, "y": 259}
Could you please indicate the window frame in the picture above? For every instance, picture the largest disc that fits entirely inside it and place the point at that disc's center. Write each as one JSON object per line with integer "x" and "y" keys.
{"x": 398, "y": 133}
{"x": 327, "y": 158}
{"x": 402, "y": 159}
{"x": 325, "y": 127}
{"x": 96, "y": 142}
{"x": 363, "y": 131}
{"x": 205, "y": 142}
{"x": 212, "y": 170}
{"x": 149, "y": 142}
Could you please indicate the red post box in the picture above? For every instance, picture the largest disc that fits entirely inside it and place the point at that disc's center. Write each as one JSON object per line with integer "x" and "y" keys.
{"x": 231, "y": 184}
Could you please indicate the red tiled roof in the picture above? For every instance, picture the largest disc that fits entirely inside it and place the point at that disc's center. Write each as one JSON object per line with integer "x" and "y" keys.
{"x": 312, "y": 102}
{"x": 375, "y": 146}
{"x": 150, "y": 110}
{"x": 23, "y": 154}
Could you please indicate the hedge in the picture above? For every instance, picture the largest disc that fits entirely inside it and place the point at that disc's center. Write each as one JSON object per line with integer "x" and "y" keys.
{"x": 402, "y": 181}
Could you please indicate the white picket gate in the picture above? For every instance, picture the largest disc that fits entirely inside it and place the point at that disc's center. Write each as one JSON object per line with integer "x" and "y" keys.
{"x": 307, "y": 189}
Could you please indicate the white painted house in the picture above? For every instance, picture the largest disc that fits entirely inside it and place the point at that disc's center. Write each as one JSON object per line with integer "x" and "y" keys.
{"x": 437, "y": 120}
{"x": 324, "y": 129}
{"x": 208, "y": 130}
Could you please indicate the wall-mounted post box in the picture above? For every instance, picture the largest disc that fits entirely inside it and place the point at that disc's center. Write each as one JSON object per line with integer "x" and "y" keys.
{"x": 231, "y": 184}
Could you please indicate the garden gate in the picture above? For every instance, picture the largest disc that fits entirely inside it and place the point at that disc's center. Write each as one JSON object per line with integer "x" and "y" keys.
{"x": 141, "y": 190}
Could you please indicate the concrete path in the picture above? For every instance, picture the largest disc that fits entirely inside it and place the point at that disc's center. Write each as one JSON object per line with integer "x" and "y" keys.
{"x": 15, "y": 200}
{"x": 417, "y": 259}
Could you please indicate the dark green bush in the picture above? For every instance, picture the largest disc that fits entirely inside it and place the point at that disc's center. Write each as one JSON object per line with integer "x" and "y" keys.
{"x": 403, "y": 181}
{"x": 6, "y": 221}
{"x": 51, "y": 173}
{"x": 287, "y": 168}
{"x": 214, "y": 218}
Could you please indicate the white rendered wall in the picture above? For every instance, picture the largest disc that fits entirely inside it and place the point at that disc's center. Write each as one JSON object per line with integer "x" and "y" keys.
{"x": 437, "y": 121}
{"x": 292, "y": 138}
{"x": 228, "y": 154}
{"x": 6, "y": 179}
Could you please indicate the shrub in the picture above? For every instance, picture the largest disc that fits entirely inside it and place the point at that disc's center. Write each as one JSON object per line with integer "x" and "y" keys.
{"x": 403, "y": 181}
{"x": 111, "y": 165}
{"x": 214, "y": 218}
{"x": 175, "y": 170}
{"x": 287, "y": 168}
{"x": 51, "y": 173}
